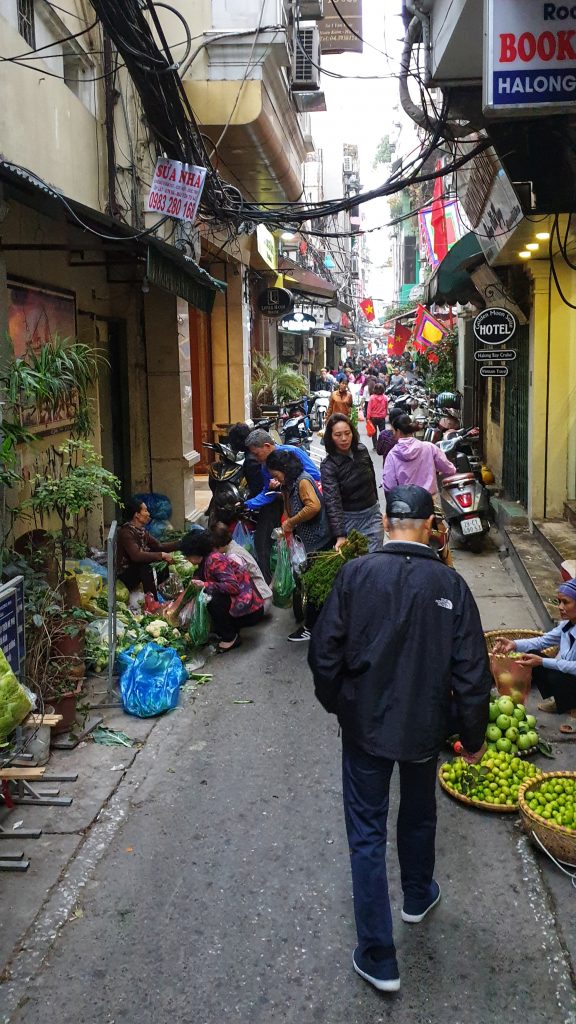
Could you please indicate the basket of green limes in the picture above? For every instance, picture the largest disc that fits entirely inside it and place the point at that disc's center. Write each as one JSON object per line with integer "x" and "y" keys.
{"x": 548, "y": 811}
{"x": 490, "y": 785}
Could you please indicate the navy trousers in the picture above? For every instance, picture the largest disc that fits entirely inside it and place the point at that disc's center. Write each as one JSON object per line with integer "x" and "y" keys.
{"x": 366, "y": 785}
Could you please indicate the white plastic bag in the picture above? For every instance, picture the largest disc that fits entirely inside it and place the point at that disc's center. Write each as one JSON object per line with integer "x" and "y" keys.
{"x": 298, "y": 556}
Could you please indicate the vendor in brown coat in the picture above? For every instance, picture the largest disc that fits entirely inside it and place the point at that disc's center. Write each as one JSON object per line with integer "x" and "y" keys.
{"x": 340, "y": 401}
{"x": 138, "y": 550}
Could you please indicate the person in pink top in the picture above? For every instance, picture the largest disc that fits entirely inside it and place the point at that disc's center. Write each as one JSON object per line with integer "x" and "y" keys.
{"x": 414, "y": 462}
{"x": 377, "y": 410}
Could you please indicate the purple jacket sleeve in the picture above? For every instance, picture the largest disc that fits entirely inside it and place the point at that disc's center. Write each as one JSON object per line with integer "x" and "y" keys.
{"x": 442, "y": 464}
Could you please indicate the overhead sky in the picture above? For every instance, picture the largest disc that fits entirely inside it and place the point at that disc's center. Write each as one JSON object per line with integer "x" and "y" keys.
{"x": 361, "y": 111}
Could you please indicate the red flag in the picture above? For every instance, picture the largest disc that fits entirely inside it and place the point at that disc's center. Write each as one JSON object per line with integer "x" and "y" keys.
{"x": 401, "y": 338}
{"x": 367, "y": 307}
{"x": 438, "y": 219}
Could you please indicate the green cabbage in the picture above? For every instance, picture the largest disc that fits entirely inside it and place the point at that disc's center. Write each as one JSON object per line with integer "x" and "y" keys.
{"x": 14, "y": 701}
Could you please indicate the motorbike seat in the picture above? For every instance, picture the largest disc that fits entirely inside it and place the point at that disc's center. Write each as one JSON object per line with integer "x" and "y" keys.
{"x": 456, "y": 479}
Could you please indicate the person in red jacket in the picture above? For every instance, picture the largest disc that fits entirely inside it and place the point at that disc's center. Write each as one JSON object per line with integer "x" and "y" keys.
{"x": 377, "y": 410}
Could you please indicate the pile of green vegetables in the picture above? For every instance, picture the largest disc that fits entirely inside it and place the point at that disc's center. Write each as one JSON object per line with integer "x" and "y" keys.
{"x": 319, "y": 579}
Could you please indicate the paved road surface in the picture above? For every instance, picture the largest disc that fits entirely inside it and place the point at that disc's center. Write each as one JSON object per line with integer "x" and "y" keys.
{"x": 215, "y": 888}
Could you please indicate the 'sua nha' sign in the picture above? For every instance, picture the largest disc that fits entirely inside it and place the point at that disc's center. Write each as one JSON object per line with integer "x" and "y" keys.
{"x": 176, "y": 189}
{"x": 529, "y": 56}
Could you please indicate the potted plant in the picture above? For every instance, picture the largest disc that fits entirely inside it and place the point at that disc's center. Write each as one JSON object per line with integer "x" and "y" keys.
{"x": 273, "y": 385}
{"x": 74, "y": 488}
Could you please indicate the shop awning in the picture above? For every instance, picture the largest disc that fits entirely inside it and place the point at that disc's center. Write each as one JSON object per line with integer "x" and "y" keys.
{"x": 166, "y": 266}
{"x": 451, "y": 281}
{"x": 306, "y": 282}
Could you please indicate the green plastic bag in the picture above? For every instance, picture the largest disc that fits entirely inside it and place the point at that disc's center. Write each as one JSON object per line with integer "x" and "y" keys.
{"x": 14, "y": 700}
{"x": 199, "y": 626}
{"x": 283, "y": 578}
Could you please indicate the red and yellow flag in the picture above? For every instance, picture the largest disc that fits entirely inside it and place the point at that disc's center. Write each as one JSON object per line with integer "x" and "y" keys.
{"x": 367, "y": 307}
{"x": 427, "y": 330}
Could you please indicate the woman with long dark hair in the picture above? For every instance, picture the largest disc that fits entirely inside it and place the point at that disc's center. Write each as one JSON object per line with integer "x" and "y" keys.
{"x": 349, "y": 484}
{"x": 305, "y": 517}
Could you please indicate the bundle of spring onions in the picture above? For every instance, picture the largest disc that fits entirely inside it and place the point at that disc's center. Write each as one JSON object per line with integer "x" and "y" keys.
{"x": 319, "y": 579}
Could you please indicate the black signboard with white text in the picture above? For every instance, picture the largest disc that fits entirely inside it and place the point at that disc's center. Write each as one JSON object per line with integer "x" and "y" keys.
{"x": 275, "y": 302}
{"x": 488, "y": 355}
{"x": 493, "y": 371}
{"x": 494, "y": 325}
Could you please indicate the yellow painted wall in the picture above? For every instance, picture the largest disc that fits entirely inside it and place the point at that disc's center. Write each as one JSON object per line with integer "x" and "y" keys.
{"x": 494, "y": 433}
{"x": 552, "y": 390}
{"x": 45, "y": 127}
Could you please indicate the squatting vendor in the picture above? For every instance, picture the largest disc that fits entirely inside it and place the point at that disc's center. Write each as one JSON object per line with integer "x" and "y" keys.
{"x": 139, "y": 556}
{"x": 555, "y": 678}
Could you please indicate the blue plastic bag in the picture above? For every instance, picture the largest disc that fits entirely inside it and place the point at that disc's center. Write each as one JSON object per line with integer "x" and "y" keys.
{"x": 151, "y": 680}
{"x": 158, "y": 505}
{"x": 243, "y": 536}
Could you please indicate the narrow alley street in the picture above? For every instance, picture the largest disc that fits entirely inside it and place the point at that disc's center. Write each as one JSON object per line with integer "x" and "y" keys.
{"x": 216, "y": 887}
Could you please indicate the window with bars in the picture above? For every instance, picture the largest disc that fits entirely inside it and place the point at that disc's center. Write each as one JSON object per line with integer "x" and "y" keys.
{"x": 26, "y": 25}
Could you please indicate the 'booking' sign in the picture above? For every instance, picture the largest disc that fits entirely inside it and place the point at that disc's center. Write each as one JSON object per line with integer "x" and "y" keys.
{"x": 530, "y": 56}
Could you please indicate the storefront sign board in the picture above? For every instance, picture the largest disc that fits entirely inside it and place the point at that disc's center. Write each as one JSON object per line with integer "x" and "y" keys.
{"x": 176, "y": 189}
{"x": 529, "y": 57}
{"x": 494, "y": 325}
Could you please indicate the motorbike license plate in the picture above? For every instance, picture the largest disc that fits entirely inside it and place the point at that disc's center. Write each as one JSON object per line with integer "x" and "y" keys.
{"x": 471, "y": 526}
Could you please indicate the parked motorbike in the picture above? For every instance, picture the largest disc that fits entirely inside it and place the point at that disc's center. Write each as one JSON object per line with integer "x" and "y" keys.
{"x": 319, "y": 409}
{"x": 465, "y": 499}
{"x": 295, "y": 429}
{"x": 227, "y": 483}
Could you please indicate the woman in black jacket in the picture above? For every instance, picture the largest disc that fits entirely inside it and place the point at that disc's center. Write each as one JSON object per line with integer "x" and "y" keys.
{"x": 349, "y": 484}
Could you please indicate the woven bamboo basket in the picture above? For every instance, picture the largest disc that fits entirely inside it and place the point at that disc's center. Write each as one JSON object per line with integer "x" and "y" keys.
{"x": 558, "y": 840}
{"x": 497, "y": 808}
{"x": 516, "y": 634}
{"x": 512, "y": 680}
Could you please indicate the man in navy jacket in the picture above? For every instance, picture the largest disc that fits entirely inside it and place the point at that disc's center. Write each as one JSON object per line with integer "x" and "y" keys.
{"x": 398, "y": 646}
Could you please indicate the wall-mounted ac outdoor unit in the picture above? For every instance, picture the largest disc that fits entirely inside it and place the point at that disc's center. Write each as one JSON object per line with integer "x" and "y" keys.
{"x": 306, "y": 59}
{"x": 348, "y": 165}
{"x": 311, "y": 9}
{"x": 354, "y": 266}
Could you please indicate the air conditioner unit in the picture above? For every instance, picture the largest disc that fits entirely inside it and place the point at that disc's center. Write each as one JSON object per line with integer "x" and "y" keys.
{"x": 311, "y": 9}
{"x": 348, "y": 165}
{"x": 354, "y": 266}
{"x": 306, "y": 59}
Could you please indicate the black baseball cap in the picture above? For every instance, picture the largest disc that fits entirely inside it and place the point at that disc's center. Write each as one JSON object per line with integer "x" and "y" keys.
{"x": 409, "y": 502}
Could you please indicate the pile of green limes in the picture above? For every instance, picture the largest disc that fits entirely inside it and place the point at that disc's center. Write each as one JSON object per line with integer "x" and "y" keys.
{"x": 510, "y": 729}
{"x": 495, "y": 780}
{"x": 555, "y": 800}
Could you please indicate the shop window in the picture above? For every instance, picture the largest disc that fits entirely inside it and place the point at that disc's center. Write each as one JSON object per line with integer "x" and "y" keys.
{"x": 26, "y": 25}
{"x": 495, "y": 399}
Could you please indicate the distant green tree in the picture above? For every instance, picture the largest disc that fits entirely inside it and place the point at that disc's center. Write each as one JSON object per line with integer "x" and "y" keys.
{"x": 384, "y": 151}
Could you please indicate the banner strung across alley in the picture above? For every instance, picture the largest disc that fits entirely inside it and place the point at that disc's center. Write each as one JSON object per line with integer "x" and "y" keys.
{"x": 176, "y": 189}
{"x": 529, "y": 57}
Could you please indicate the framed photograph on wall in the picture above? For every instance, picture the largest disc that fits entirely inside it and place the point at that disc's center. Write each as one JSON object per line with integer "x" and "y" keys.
{"x": 39, "y": 315}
